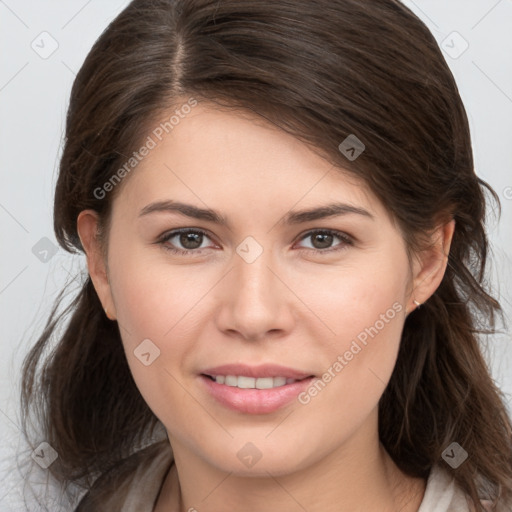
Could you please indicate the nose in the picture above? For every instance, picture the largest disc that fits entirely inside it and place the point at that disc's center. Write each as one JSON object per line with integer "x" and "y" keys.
{"x": 256, "y": 301}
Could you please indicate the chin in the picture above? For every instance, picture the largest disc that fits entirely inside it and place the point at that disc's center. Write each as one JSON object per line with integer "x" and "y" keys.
{"x": 250, "y": 461}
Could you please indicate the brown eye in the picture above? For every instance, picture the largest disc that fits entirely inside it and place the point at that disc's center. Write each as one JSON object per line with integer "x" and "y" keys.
{"x": 190, "y": 240}
{"x": 322, "y": 240}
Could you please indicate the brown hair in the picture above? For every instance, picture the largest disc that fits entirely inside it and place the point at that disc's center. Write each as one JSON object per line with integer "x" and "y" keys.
{"x": 320, "y": 70}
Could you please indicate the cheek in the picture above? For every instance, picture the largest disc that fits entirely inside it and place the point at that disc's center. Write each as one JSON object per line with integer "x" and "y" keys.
{"x": 164, "y": 304}
{"x": 350, "y": 301}
{"x": 154, "y": 311}
{"x": 364, "y": 309}
{"x": 153, "y": 299}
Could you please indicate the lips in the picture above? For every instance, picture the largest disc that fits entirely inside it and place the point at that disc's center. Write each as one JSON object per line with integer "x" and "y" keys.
{"x": 249, "y": 399}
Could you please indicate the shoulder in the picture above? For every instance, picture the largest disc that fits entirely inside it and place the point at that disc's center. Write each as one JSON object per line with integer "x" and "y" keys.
{"x": 132, "y": 484}
{"x": 442, "y": 494}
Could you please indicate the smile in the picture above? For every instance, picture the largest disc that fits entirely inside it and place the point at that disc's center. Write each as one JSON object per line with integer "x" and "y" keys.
{"x": 253, "y": 395}
{"x": 243, "y": 382}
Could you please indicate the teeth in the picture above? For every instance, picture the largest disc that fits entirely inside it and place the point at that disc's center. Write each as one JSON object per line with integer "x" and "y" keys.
{"x": 252, "y": 382}
{"x": 230, "y": 380}
{"x": 279, "y": 381}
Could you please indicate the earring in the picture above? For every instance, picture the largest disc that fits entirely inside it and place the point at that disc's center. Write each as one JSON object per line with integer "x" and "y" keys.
{"x": 417, "y": 303}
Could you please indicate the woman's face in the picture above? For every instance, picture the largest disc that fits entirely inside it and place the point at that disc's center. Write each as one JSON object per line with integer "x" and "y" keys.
{"x": 324, "y": 297}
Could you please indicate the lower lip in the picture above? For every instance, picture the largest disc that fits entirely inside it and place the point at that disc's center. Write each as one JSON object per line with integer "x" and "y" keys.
{"x": 255, "y": 401}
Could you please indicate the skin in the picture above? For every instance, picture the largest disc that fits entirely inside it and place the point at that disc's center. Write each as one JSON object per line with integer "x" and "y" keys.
{"x": 290, "y": 306}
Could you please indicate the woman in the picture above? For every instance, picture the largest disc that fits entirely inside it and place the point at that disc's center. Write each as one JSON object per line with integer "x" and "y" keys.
{"x": 285, "y": 242}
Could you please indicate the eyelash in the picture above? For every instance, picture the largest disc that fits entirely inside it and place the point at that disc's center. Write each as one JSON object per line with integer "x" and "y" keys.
{"x": 164, "y": 239}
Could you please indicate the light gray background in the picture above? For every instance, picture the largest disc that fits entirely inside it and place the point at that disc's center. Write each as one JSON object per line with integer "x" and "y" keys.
{"x": 34, "y": 94}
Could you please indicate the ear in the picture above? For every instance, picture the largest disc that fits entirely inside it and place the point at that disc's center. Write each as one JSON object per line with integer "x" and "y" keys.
{"x": 430, "y": 265}
{"x": 87, "y": 227}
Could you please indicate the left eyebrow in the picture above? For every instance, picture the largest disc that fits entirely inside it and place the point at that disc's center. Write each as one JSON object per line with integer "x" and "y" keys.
{"x": 292, "y": 218}
{"x": 328, "y": 210}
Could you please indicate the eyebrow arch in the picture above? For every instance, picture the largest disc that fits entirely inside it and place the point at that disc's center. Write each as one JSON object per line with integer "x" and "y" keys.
{"x": 185, "y": 209}
{"x": 328, "y": 210}
{"x": 292, "y": 218}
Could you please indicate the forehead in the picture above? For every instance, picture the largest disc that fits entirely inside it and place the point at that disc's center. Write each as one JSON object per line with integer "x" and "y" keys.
{"x": 235, "y": 159}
